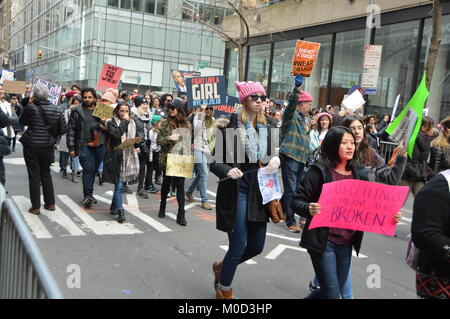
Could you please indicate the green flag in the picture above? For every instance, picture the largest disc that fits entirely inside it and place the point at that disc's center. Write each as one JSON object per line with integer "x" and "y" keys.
{"x": 407, "y": 125}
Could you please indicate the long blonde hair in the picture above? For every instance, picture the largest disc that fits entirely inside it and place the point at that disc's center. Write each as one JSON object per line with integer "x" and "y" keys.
{"x": 443, "y": 138}
{"x": 243, "y": 115}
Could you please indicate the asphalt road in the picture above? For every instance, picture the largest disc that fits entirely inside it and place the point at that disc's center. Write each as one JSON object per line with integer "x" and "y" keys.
{"x": 92, "y": 256}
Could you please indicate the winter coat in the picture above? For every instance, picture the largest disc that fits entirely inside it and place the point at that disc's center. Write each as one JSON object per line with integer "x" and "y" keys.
{"x": 76, "y": 128}
{"x": 142, "y": 129}
{"x": 5, "y": 148}
{"x": 37, "y": 134}
{"x": 227, "y": 191}
{"x": 62, "y": 144}
{"x": 430, "y": 228}
{"x": 416, "y": 168}
{"x": 8, "y": 131}
{"x": 166, "y": 144}
{"x": 440, "y": 159}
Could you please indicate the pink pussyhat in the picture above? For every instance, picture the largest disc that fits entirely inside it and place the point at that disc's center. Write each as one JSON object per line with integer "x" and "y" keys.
{"x": 305, "y": 97}
{"x": 248, "y": 88}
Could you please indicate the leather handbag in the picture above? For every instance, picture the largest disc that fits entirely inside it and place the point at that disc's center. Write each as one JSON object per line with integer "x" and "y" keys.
{"x": 273, "y": 208}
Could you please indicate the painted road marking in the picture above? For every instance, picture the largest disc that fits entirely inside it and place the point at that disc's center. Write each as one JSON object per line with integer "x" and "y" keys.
{"x": 132, "y": 201}
{"x": 248, "y": 262}
{"x": 37, "y": 227}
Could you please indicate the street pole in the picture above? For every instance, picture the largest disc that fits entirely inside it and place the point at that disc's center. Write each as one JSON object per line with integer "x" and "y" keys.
{"x": 367, "y": 38}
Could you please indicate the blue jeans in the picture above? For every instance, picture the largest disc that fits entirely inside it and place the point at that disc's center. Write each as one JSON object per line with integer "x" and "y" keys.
{"x": 63, "y": 159}
{"x": 347, "y": 291}
{"x": 246, "y": 241}
{"x": 332, "y": 270}
{"x": 292, "y": 173}
{"x": 201, "y": 176}
{"x": 90, "y": 159}
{"x": 117, "y": 196}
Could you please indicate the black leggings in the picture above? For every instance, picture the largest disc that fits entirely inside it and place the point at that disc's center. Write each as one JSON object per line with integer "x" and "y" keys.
{"x": 178, "y": 182}
{"x": 145, "y": 171}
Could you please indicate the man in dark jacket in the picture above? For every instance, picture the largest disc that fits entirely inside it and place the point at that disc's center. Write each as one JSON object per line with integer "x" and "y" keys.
{"x": 86, "y": 138}
{"x": 45, "y": 123}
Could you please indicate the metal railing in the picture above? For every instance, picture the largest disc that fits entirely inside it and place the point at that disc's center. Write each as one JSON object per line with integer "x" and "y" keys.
{"x": 386, "y": 150}
{"x": 24, "y": 273}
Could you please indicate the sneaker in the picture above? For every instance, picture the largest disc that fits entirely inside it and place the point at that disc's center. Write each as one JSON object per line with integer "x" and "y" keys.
{"x": 312, "y": 286}
{"x": 173, "y": 193}
{"x": 93, "y": 199}
{"x": 293, "y": 228}
{"x": 190, "y": 198}
{"x": 87, "y": 202}
{"x": 152, "y": 190}
{"x": 142, "y": 194}
{"x": 206, "y": 206}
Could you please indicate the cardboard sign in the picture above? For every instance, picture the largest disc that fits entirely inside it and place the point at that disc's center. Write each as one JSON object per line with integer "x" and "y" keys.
{"x": 269, "y": 185}
{"x": 305, "y": 57}
{"x": 209, "y": 90}
{"x": 360, "y": 205}
{"x": 109, "y": 78}
{"x": 54, "y": 89}
{"x": 128, "y": 143}
{"x": 230, "y": 107}
{"x": 179, "y": 77}
{"x": 103, "y": 111}
{"x": 15, "y": 87}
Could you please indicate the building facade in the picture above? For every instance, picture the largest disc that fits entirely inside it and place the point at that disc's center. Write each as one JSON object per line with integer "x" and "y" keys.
{"x": 339, "y": 26}
{"x": 148, "y": 38}
{"x": 5, "y": 18}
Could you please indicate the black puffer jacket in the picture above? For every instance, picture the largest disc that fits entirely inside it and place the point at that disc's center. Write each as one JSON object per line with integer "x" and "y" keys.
{"x": 439, "y": 159}
{"x": 37, "y": 133}
{"x": 430, "y": 228}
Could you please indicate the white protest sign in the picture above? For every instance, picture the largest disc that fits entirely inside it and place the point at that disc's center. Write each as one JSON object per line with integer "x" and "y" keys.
{"x": 6, "y": 75}
{"x": 395, "y": 107}
{"x": 53, "y": 88}
{"x": 354, "y": 101}
{"x": 269, "y": 185}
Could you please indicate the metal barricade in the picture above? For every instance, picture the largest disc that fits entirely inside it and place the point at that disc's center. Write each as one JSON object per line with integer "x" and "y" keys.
{"x": 24, "y": 273}
{"x": 386, "y": 150}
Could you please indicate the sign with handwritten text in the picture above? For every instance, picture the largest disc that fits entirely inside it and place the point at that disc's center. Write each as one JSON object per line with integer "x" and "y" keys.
{"x": 53, "y": 88}
{"x": 109, "y": 78}
{"x": 360, "y": 205}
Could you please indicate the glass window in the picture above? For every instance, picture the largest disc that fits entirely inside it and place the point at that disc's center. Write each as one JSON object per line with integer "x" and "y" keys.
{"x": 161, "y": 7}
{"x": 439, "y": 99}
{"x": 113, "y": 3}
{"x": 150, "y": 6}
{"x": 397, "y": 63}
{"x": 282, "y": 81}
{"x": 137, "y": 5}
{"x": 258, "y": 69}
{"x": 347, "y": 63}
{"x": 125, "y": 4}
{"x": 232, "y": 72}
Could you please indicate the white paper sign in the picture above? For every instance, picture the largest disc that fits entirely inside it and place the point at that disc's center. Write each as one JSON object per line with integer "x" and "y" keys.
{"x": 269, "y": 185}
{"x": 6, "y": 75}
{"x": 354, "y": 101}
{"x": 395, "y": 108}
{"x": 54, "y": 89}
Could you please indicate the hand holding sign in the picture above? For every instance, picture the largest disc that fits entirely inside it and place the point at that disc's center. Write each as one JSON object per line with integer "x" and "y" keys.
{"x": 314, "y": 209}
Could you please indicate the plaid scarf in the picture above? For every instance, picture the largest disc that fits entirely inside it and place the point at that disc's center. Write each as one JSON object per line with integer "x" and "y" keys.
{"x": 129, "y": 172}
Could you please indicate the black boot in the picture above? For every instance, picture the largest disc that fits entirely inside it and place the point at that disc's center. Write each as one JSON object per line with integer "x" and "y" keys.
{"x": 162, "y": 209}
{"x": 180, "y": 218}
{"x": 113, "y": 209}
{"x": 64, "y": 171}
{"x": 100, "y": 179}
{"x": 121, "y": 215}
{"x": 74, "y": 177}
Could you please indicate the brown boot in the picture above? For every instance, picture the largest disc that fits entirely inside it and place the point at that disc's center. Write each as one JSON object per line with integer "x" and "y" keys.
{"x": 224, "y": 294}
{"x": 217, "y": 267}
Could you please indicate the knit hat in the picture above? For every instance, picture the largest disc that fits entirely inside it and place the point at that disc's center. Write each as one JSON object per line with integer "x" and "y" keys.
{"x": 324, "y": 114}
{"x": 248, "y": 88}
{"x": 305, "y": 97}
{"x": 156, "y": 119}
{"x": 139, "y": 100}
{"x": 113, "y": 91}
{"x": 70, "y": 94}
{"x": 108, "y": 96}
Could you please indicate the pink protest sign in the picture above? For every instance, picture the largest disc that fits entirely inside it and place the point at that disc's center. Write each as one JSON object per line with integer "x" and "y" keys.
{"x": 360, "y": 205}
{"x": 109, "y": 78}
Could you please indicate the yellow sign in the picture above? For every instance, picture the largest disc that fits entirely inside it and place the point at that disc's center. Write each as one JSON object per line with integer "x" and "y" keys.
{"x": 14, "y": 87}
{"x": 180, "y": 165}
{"x": 103, "y": 111}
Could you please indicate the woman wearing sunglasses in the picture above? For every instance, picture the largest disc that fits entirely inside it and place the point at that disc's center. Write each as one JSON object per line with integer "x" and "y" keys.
{"x": 239, "y": 210}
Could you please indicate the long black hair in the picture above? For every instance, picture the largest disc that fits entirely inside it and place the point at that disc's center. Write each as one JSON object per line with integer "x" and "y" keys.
{"x": 329, "y": 149}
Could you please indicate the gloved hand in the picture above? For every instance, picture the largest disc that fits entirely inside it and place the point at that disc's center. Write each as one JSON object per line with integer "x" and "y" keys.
{"x": 299, "y": 80}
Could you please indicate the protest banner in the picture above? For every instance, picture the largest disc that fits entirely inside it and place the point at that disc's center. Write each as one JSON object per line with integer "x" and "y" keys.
{"x": 407, "y": 124}
{"x": 179, "y": 77}
{"x": 209, "y": 90}
{"x": 54, "y": 89}
{"x": 230, "y": 107}
{"x": 103, "y": 111}
{"x": 354, "y": 101}
{"x": 6, "y": 75}
{"x": 269, "y": 184}
{"x": 14, "y": 87}
{"x": 360, "y": 205}
{"x": 395, "y": 108}
{"x": 109, "y": 78}
{"x": 305, "y": 56}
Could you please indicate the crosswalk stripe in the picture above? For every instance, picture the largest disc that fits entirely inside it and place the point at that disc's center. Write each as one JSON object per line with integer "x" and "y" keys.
{"x": 99, "y": 227}
{"x": 37, "y": 227}
{"x": 211, "y": 193}
{"x": 248, "y": 262}
{"x": 132, "y": 201}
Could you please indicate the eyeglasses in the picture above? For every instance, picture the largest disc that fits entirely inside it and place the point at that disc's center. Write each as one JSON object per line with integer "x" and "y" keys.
{"x": 210, "y": 108}
{"x": 168, "y": 101}
{"x": 255, "y": 97}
